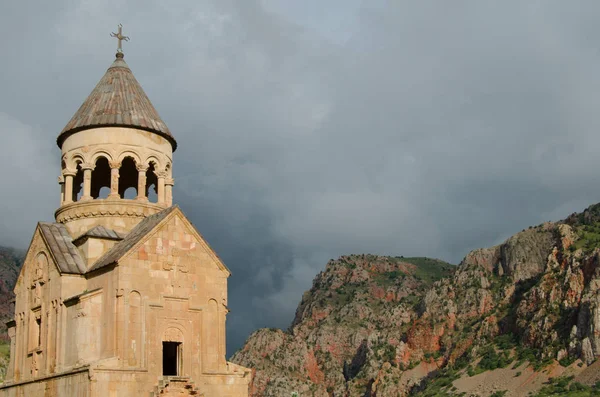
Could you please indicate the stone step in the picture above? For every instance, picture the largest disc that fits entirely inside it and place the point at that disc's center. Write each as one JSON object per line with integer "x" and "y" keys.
{"x": 175, "y": 387}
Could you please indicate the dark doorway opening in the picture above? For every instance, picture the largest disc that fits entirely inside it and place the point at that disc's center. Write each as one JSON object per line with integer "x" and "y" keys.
{"x": 171, "y": 358}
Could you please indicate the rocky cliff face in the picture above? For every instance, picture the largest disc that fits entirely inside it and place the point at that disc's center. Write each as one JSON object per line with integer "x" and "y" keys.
{"x": 10, "y": 265}
{"x": 356, "y": 318}
{"x": 391, "y": 326}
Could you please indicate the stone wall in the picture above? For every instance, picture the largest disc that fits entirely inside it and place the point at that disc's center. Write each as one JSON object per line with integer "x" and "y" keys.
{"x": 75, "y": 383}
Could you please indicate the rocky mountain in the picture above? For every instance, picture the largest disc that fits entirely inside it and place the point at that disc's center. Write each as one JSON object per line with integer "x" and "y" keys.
{"x": 10, "y": 264}
{"x": 520, "y": 318}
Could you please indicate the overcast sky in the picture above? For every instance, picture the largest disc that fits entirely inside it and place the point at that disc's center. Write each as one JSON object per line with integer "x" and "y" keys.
{"x": 311, "y": 129}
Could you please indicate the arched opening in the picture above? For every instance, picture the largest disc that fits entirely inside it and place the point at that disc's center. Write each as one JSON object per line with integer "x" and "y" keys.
{"x": 172, "y": 352}
{"x": 78, "y": 183}
{"x": 101, "y": 179}
{"x": 63, "y": 167}
{"x": 151, "y": 184}
{"x": 128, "y": 179}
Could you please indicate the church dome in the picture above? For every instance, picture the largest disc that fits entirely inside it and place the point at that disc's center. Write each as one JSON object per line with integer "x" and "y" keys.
{"x": 118, "y": 100}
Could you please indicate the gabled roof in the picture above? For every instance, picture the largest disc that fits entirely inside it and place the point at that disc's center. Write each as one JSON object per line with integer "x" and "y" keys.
{"x": 61, "y": 246}
{"x": 141, "y": 231}
{"x": 118, "y": 100}
{"x": 135, "y": 235}
{"x": 101, "y": 232}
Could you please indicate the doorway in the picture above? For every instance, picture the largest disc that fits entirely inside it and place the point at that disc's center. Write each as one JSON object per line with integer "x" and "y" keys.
{"x": 171, "y": 353}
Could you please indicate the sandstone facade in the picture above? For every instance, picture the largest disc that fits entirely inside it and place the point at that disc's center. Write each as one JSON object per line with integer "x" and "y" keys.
{"x": 121, "y": 296}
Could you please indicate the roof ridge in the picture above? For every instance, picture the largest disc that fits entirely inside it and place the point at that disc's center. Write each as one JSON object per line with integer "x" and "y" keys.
{"x": 101, "y": 231}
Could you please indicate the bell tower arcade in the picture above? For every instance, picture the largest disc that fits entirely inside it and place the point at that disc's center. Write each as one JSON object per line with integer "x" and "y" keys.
{"x": 116, "y": 156}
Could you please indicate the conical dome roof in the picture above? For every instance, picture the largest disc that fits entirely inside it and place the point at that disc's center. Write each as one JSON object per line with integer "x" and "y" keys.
{"x": 117, "y": 101}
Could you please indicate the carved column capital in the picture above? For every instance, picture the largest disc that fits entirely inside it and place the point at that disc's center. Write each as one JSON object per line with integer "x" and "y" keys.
{"x": 169, "y": 181}
{"x": 88, "y": 166}
{"x": 68, "y": 175}
{"x": 141, "y": 167}
{"x": 114, "y": 164}
{"x": 69, "y": 172}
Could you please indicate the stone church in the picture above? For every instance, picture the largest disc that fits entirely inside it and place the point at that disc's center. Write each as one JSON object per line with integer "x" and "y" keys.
{"x": 121, "y": 296}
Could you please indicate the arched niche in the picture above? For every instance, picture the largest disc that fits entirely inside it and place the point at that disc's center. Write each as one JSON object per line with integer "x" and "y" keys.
{"x": 135, "y": 330}
{"x": 211, "y": 329}
{"x": 173, "y": 334}
{"x": 40, "y": 270}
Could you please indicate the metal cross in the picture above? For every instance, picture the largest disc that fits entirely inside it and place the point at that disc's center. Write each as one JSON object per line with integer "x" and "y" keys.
{"x": 120, "y": 37}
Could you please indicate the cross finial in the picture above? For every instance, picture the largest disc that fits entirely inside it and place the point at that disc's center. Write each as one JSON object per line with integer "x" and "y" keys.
{"x": 120, "y": 38}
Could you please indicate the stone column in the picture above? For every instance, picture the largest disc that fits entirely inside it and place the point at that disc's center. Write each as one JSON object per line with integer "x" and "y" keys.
{"x": 87, "y": 181}
{"x": 61, "y": 341}
{"x": 53, "y": 338}
{"x": 160, "y": 191}
{"x": 120, "y": 324}
{"x": 61, "y": 182}
{"x": 114, "y": 179}
{"x": 222, "y": 341}
{"x": 21, "y": 346}
{"x": 141, "y": 190}
{"x": 68, "y": 175}
{"x": 169, "y": 182}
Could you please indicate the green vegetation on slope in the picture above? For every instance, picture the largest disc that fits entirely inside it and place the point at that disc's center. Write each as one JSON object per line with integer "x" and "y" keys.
{"x": 429, "y": 270}
{"x": 4, "y": 359}
{"x": 587, "y": 226}
{"x": 564, "y": 386}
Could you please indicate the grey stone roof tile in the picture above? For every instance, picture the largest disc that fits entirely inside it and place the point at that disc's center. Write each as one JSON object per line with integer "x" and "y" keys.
{"x": 101, "y": 232}
{"x": 117, "y": 100}
{"x": 63, "y": 250}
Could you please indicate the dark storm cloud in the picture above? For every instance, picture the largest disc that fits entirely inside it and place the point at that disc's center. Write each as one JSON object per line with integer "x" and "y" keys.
{"x": 305, "y": 133}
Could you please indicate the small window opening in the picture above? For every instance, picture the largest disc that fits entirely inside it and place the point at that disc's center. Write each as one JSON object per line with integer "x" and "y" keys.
{"x": 38, "y": 322}
{"x": 128, "y": 179}
{"x": 78, "y": 184}
{"x": 130, "y": 193}
{"x": 104, "y": 192}
{"x": 151, "y": 184}
{"x": 171, "y": 353}
{"x": 101, "y": 179}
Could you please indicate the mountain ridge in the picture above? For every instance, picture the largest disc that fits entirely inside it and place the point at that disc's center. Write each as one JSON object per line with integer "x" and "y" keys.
{"x": 533, "y": 300}
{"x": 11, "y": 260}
